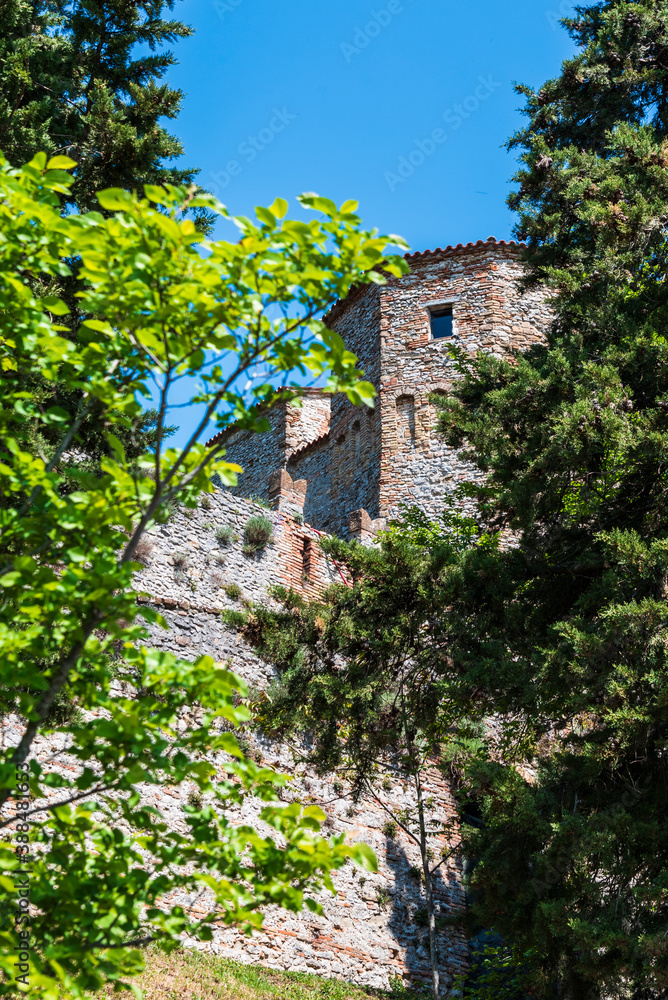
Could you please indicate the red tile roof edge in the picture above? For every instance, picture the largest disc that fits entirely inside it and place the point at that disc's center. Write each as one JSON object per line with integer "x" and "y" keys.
{"x": 309, "y": 444}
{"x": 462, "y": 247}
{"x": 490, "y": 242}
{"x": 214, "y": 439}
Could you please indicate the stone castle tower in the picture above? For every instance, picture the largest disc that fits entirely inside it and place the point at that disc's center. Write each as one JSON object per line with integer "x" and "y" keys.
{"x": 333, "y": 467}
{"x": 351, "y": 460}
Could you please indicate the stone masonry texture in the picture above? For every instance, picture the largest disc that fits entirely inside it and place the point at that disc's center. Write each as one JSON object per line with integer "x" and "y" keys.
{"x": 373, "y": 930}
{"x": 328, "y": 466}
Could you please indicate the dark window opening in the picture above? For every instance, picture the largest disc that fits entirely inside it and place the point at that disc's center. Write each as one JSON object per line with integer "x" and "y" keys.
{"x": 307, "y": 558}
{"x": 441, "y": 323}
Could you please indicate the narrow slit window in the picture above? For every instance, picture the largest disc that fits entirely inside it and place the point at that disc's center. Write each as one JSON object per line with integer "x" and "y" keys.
{"x": 441, "y": 323}
{"x": 307, "y": 558}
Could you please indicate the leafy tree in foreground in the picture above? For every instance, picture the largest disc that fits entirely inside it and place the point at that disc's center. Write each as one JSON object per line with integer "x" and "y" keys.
{"x": 363, "y": 672}
{"x": 102, "y": 862}
{"x": 566, "y": 631}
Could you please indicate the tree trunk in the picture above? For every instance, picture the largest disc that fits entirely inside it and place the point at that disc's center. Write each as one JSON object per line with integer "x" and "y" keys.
{"x": 429, "y": 897}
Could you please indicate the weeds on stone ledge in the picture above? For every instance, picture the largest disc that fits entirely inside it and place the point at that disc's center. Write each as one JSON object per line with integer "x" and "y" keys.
{"x": 383, "y": 897}
{"x": 181, "y": 562}
{"x": 143, "y": 551}
{"x": 217, "y": 580}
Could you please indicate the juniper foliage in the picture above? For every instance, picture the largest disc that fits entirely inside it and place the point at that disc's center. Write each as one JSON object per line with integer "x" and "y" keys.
{"x": 86, "y": 80}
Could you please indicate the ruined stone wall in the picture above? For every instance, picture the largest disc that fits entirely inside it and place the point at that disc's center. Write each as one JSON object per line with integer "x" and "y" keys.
{"x": 313, "y": 464}
{"x": 335, "y": 467}
{"x": 193, "y": 576}
{"x": 355, "y": 432}
{"x": 373, "y": 930}
{"x": 292, "y": 429}
{"x": 258, "y": 455}
{"x": 339, "y": 467}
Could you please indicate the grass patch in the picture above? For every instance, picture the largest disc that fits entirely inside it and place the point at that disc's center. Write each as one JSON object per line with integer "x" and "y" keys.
{"x": 225, "y": 535}
{"x": 233, "y": 591}
{"x": 190, "y": 975}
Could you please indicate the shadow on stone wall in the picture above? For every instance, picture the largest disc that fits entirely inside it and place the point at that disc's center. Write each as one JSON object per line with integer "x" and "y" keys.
{"x": 408, "y": 917}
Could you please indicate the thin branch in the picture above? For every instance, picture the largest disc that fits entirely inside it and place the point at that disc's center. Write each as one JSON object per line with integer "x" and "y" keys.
{"x": 50, "y": 806}
{"x": 443, "y": 860}
{"x": 391, "y": 814}
{"x": 124, "y": 944}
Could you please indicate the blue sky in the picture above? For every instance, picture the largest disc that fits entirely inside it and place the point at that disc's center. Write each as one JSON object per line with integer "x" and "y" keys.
{"x": 403, "y": 105}
{"x": 329, "y": 97}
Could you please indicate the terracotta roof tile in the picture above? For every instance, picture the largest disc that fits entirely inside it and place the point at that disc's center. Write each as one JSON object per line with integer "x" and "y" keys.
{"x": 462, "y": 247}
{"x": 309, "y": 444}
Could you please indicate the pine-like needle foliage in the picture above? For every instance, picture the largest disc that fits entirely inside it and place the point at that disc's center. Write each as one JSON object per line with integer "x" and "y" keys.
{"x": 363, "y": 680}
{"x": 567, "y": 629}
{"x": 85, "y": 79}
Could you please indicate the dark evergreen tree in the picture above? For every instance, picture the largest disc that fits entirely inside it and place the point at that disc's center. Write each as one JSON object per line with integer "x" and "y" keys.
{"x": 83, "y": 78}
{"x": 360, "y": 674}
{"x": 564, "y": 632}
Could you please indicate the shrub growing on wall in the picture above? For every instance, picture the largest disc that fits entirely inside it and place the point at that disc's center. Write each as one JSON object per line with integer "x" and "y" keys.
{"x": 225, "y": 535}
{"x": 257, "y": 533}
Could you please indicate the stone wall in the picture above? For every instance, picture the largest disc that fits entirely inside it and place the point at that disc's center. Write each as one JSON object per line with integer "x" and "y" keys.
{"x": 293, "y": 428}
{"x": 312, "y": 464}
{"x": 356, "y": 430}
{"x": 373, "y": 929}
